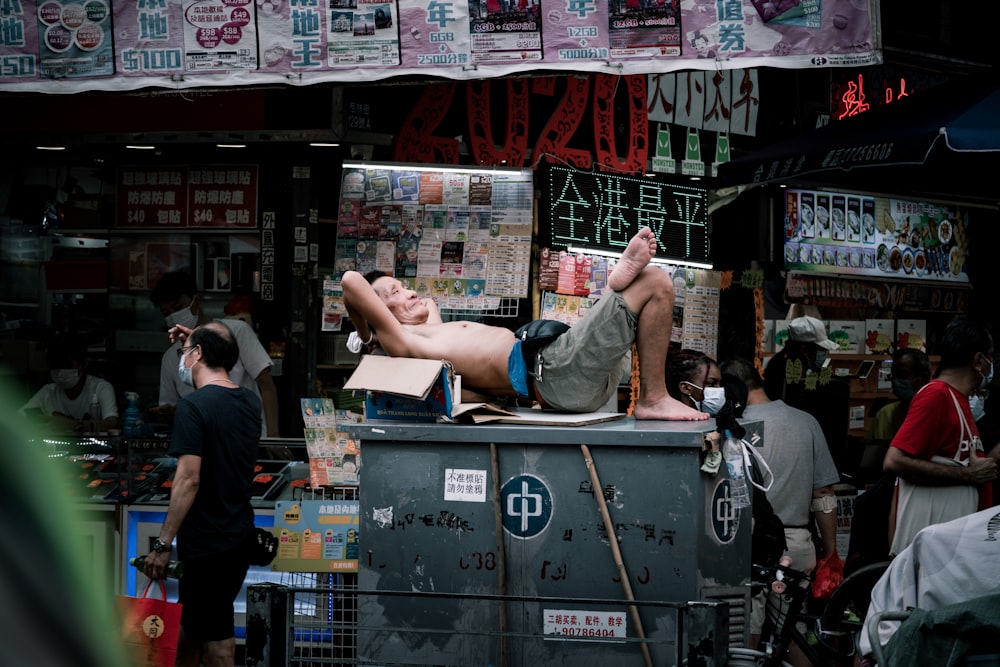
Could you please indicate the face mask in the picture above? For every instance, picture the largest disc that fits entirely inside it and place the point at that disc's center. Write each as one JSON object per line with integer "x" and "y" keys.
{"x": 65, "y": 378}
{"x": 185, "y": 373}
{"x": 183, "y": 317}
{"x": 820, "y": 360}
{"x": 715, "y": 399}
{"x": 903, "y": 389}
{"x": 978, "y": 406}
{"x": 987, "y": 378}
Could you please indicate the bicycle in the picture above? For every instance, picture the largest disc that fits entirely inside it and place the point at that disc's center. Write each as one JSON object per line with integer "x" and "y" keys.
{"x": 842, "y": 618}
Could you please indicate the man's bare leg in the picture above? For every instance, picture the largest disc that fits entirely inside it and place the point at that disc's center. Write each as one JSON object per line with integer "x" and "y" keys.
{"x": 649, "y": 292}
{"x": 220, "y": 653}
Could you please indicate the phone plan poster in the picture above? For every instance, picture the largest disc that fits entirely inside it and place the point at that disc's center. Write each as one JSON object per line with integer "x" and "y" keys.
{"x": 645, "y": 28}
{"x": 220, "y": 35}
{"x": 362, "y": 32}
{"x": 74, "y": 39}
{"x": 506, "y": 31}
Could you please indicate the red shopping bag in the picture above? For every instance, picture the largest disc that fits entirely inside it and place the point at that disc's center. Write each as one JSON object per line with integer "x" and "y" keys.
{"x": 829, "y": 575}
{"x": 150, "y": 627}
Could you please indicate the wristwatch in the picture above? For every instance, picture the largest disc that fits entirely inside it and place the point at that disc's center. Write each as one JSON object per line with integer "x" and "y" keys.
{"x": 161, "y": 547}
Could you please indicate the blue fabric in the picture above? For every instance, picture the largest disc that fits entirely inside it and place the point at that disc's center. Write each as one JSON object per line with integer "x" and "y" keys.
{"x": 517, "y": 371}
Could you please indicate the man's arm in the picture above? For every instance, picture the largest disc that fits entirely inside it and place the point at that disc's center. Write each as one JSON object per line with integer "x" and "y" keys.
{"x": 824, "y": 507}
{"x": 366, "y": 310}
{"x": 919, "y": 471}
{"x": 269, "y": 399}
{"x": 182, "y": 493}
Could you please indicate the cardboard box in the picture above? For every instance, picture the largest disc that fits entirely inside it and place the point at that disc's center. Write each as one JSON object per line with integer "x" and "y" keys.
{"x": 404, "y": 389}
{"x": 911, "y": 334}
{"x": 879, "y": 336}
{"x": 848, "y": 334}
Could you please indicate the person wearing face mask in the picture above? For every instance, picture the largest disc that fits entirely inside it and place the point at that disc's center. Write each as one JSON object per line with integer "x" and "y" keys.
{"x": 799, "y": 376}
{"x": 942, "y": 469}
{"x": 911, "y": 370}
{"x": 802, "y": 493}
{"x": 215, "y": 441}
{"x": 693, "y": 378}
{"x": 67, "y": 399}
{"x": 177, "y": 297}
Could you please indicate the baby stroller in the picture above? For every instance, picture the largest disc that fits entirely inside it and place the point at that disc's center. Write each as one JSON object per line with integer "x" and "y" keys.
{"x": 964, "y": 634}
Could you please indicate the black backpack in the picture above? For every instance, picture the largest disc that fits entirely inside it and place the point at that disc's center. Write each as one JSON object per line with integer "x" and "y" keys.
{"x": 768, "y": 540}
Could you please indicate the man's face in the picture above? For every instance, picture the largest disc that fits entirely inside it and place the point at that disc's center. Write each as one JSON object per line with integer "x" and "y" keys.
{"x": 402, "y": 302}
{"x": 180, "y": 303}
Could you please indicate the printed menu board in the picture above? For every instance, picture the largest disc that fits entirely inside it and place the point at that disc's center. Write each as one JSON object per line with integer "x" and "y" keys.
{"x": 874, "y": 236}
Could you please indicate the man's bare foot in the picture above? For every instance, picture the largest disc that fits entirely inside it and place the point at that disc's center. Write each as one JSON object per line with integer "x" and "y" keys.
{"x": 641, "y": 248}
{"x": 668, "y": 409}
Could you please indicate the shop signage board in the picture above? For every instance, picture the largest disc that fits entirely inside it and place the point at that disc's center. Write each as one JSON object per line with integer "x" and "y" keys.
{"x": 317, "y": 535}
{"x": 181, "y": 196}
{"x": 118, "y": 45}
{"x": 831, "y": 232}
{"x": 604, "y": 210}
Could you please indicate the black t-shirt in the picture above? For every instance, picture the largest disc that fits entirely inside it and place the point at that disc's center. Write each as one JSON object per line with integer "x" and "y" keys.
{"x": 827, "y": 399}
{"x": 222, "y": 426}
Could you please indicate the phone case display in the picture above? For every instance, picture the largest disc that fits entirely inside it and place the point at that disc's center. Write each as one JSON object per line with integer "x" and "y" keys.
{"x": 875, "y": 236}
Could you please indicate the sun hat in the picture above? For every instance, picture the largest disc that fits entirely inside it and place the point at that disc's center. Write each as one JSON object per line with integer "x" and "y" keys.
{"x": 810, "y": 330}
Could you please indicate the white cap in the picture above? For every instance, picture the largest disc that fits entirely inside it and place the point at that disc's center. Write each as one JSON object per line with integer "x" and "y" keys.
{"x": 810, "y": 330}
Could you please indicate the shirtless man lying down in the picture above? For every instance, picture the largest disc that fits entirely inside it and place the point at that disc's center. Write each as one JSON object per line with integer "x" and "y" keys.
{"x": 580, "y": 370}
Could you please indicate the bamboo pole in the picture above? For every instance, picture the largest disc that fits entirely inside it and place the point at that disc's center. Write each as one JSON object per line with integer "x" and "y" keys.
{"x": 616, "y": 552}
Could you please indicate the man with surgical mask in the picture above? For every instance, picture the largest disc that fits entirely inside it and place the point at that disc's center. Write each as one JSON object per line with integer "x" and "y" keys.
{"x": 911, "y": 370}
{"x": 67, "y": 400}
{"x": 177, "y": 297}
{"x": 937, "y": 453}
{"x": 803, "y": 471}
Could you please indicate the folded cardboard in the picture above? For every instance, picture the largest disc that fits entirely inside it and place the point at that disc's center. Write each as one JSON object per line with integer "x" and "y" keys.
{"x": 404, "y": 389}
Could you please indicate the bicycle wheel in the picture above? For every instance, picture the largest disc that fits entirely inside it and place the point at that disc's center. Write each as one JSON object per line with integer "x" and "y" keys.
{"x": 844, "y": 615}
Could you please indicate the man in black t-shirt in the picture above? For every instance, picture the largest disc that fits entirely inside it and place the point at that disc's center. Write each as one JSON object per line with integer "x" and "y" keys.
{"x": 216, "y": 431}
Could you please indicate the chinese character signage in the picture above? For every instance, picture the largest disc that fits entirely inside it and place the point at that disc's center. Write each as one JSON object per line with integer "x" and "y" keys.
{"x": 604, "y": 210}
{"x": 188, "y": 43}
{"x": 830, "y": 232}
{"x": 178, "y": 197}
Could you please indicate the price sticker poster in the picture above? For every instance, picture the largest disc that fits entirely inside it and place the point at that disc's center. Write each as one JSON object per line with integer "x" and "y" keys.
{"x": 362, "y": 32}
{"x": 74, "y": 39}
{"x": 220, "y": 35}
{"x": 645, "y": 28}
{"x": 151, "y": 197}
{"x": 149, "y": 40}
{"x": 436, "y": 33}
{"x": 223, "y": 196}
{"x": 576, "y": 32}
{"x": 505, "y": 31}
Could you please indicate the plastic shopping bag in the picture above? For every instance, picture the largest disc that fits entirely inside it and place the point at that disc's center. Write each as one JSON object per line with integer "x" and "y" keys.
{"x": 150, "y": 627}
{"x": 829, "y": 575}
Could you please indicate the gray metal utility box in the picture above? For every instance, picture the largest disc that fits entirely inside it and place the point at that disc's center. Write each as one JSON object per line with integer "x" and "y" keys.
{"x": 488, "y": 545}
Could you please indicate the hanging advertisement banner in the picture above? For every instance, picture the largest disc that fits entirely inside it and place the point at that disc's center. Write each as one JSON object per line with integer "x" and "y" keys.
{"x": 65, "y": 46}
{"x": 874, "y": 236}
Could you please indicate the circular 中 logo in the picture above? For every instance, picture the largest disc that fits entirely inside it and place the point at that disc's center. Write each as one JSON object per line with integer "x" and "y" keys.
{"x": 725, "y": 518}
{"x": 527, "y": 506}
